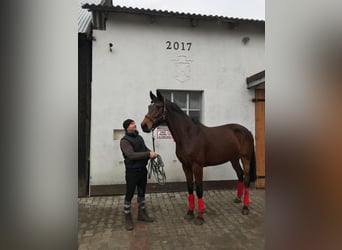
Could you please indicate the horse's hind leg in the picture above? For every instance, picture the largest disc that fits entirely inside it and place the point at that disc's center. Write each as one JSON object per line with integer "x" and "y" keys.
{"x": 191, "y": 198}
{"x": 246, "y": 168}
{"x": 239, "y": 172}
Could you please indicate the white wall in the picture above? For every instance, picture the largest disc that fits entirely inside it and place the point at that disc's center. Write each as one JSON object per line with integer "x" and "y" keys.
{"x": 219, "y": 64}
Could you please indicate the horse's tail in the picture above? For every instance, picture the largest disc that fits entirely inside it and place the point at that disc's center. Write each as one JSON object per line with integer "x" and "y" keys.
{"x": 252, "y": 168}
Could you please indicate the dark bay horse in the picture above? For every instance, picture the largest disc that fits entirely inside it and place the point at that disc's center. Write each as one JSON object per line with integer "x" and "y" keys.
{"x": 198, "y": 146}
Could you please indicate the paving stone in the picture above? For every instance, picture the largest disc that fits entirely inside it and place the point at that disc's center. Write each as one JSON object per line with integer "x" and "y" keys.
{"x": 101, "y": 223}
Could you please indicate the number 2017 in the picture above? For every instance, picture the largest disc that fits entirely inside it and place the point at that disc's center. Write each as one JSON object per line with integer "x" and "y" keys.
{"x": 178, "y": 45}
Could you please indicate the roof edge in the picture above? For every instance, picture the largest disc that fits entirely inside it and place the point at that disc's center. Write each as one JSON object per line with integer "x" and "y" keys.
{"x": 256, "y": 81}
{"x": 154, "y": 12}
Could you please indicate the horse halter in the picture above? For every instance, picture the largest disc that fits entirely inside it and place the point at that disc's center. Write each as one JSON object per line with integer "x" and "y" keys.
{"x": 162, "y": 117}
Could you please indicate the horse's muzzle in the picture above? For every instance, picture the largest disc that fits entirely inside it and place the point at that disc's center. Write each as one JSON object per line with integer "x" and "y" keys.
{"x": 145, "y": 128}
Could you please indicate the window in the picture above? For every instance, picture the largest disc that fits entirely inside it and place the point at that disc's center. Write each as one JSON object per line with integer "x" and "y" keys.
{"x": 189, "y": 101}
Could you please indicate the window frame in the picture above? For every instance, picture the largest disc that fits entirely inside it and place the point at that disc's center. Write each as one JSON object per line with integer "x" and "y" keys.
{"x": 187, "y": 110}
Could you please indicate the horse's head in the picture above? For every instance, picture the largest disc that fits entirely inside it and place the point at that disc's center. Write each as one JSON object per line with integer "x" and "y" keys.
{"x": 156, "y": 113}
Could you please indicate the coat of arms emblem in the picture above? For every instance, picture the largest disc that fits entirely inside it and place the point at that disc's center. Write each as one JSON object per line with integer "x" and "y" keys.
{"x": 182, "y": 68}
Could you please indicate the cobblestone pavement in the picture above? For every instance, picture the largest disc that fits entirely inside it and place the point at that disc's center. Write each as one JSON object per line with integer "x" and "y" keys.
{"x": 101, "y": 223}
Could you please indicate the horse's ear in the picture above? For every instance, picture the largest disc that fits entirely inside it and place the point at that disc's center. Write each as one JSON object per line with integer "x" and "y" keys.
{"x": 160, "y": 97}
{"x": 153, "y": 97}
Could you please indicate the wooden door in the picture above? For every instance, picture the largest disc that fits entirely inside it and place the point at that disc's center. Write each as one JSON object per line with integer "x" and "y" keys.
{"x": 260, "y": 136}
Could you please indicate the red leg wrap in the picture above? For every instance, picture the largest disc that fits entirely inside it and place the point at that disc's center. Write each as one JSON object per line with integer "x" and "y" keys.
{"x": 200, "y": 207}
{"x": 240, "y": 189}
{"x": 246, "y": 197}
{"x": 191, "y": 199}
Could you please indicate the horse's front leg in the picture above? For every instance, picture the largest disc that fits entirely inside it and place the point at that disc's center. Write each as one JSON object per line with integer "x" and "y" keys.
{"x": 191, "y": 198}
{"x": 198, "y": 173}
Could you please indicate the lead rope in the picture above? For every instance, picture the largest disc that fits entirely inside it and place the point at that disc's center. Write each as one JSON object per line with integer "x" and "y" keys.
{"x": 156, "y": 166}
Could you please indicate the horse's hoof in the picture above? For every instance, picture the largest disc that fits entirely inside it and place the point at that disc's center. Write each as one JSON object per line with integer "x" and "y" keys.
{"x": 199, "y": 220}
{"x": 245, "y": 210}
{"x": 189, "y": 215}
{"x": 237, "y": 200}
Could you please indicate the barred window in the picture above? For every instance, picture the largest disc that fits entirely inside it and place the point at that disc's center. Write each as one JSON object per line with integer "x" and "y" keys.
{"x": 189, "y": 101}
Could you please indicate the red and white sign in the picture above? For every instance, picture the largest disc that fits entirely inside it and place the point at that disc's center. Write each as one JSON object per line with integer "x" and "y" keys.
{"x": 163, "y": 134}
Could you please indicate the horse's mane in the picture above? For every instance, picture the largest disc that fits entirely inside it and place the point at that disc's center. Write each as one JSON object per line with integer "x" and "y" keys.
{"x": 176, "y": 108}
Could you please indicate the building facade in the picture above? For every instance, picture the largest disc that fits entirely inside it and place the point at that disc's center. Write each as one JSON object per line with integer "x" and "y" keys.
{"x": 200, "y": 62}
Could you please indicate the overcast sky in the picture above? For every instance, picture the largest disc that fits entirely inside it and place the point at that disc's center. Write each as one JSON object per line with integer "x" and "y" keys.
{"x": 254, "y": 9}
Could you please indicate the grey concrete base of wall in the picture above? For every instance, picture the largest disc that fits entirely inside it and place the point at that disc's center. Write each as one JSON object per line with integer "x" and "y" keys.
{"x": 103, "y": 190}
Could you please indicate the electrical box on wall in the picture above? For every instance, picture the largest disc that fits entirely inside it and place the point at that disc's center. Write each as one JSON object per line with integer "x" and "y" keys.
{"x": 118, "y": 134}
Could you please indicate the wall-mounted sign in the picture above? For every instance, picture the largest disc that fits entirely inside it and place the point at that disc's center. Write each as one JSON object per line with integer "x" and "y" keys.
{"x": 163, "y": 133}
